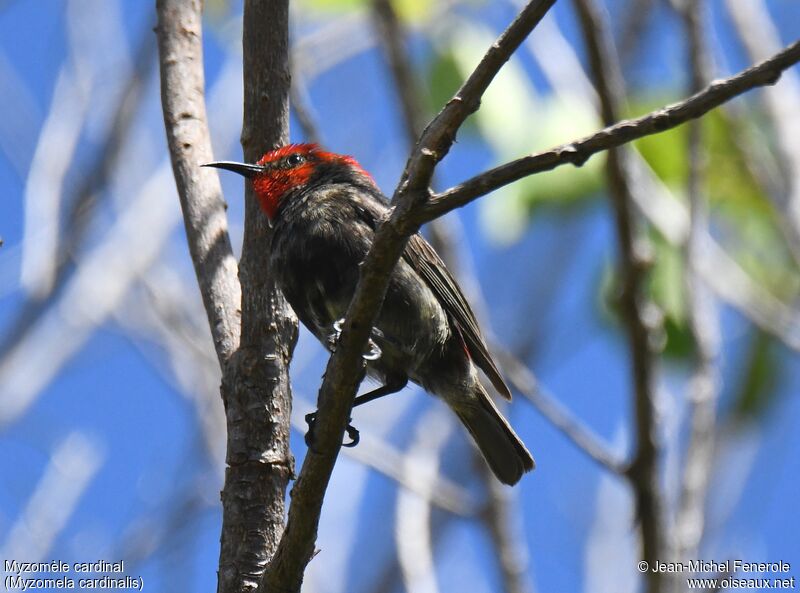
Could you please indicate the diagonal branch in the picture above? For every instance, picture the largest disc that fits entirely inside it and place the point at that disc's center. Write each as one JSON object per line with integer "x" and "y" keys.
{"x": 666, "y": 213}
{"x": 344, "y": 370}
{"x": 522, "y": 380}
{"x": 412, "y": 207}
{"x": 182, "y": 84}
{"x": 578, "y": 152}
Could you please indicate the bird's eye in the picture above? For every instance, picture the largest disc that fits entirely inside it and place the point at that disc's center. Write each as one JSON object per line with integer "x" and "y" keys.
{"x": 294, "y": 159}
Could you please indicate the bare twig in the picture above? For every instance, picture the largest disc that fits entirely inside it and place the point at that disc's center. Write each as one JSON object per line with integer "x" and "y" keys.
{"x": 702, "y": 314}
{"x": 509, "y": 547}
{"x": 502, "y": 519}
{"x": 666, "y": 213}
{"x": 380, "y": 456}
{"x": 182, "y": 83}
{"x": 576, "y": 153}
{"x": 523, "y": 381}
{"x": 393, "y": 38}
{"x": 635, "y": 309}
{"x": 343, "y": 373}
{"x": 634, "y": 23}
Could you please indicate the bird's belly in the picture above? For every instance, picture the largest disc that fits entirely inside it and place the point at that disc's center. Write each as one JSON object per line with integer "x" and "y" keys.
{"x": 319, "y": 281}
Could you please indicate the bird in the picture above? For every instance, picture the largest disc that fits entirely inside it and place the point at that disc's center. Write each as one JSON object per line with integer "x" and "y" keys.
{"x": 324, "y": 210}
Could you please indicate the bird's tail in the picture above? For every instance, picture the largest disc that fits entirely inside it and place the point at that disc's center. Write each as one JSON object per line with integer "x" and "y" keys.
{"x": 503, "y": 450}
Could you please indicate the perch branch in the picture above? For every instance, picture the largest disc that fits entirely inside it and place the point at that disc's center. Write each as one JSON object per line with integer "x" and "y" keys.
{"x": 344, "y": 369}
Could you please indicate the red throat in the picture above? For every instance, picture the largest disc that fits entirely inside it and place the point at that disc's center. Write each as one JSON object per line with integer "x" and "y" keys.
{"x": 271, "y": 186}
{"x": 277, "y": 180}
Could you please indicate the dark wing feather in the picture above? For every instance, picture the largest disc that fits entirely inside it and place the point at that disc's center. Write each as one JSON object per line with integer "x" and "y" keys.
{"x": 425, "y": 261}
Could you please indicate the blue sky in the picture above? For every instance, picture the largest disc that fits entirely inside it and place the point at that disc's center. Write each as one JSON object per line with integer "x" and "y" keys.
{"x": 151, "y": 478}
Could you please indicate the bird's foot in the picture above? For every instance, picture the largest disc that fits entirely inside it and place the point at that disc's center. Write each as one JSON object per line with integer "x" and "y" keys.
{"x": 373, "y": 350}
{"x": 352, "y": 432}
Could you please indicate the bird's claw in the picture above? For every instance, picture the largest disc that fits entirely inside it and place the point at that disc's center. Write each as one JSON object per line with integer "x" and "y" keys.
{"x": 373, "y": 350}
{"x": 352, "y": 432}
{"x": 311, "y": 420}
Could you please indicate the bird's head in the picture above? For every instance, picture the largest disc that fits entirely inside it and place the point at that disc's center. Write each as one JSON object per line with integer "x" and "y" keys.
{"x": 294, "y": 166}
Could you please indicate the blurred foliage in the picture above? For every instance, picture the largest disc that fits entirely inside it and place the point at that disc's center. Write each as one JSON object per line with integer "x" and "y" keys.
{"x": 411, "y": 11}
{"x": 760, "y": 377}
{"x": 743, "y": 218}
{"x": 514, "y": 120}
{"x": 668, "y": 291}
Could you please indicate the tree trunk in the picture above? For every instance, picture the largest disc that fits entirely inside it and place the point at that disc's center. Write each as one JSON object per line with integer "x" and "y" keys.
{"x": 255, "y": 383}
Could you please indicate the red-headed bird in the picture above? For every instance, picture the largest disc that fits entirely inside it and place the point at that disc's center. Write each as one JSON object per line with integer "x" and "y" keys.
{"x": 324, "y": 210}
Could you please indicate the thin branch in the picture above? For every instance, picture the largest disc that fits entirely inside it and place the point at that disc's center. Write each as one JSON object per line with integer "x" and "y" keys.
{"x": 522, "y": 380}
{"x": 634, "y": 306}
{"x": 255, "y": 384}
{"x": 393, "y": 39}
{"x": 665, "y": 212}
{"x": 344, "y": 370}
{"x": 637, "y": 14}
{"x": 402, "y": 468}
{"x": 182, "y": 85}
{"x": 576, "y": 153}
{"x": 502, "y": 520}
{"x": 510, "y": 548}
{"x": 702, "y": 314}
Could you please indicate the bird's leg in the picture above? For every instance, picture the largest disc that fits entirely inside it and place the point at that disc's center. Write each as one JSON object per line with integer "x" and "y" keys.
{"x": 393, "y": 385}
{"x": 311, "y": 420}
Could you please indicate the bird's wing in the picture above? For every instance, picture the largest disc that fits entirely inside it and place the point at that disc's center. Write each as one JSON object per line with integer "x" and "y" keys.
{"x": 427, "y": 263}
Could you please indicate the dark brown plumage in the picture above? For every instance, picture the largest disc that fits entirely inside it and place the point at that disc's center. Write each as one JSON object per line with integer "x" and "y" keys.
{"x": 324, "y": 210}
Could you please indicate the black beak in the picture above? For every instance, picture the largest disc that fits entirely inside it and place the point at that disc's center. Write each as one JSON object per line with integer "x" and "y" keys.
{"x": 241, "y": 168}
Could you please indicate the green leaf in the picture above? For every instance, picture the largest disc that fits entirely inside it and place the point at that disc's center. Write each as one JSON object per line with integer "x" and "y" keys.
{"x": 409, "y": 11}
{"x": 759, "y": 380}
{"x": 667, "y": 289}
{"x": 332, "y": 5}
{"x": 514, "y": 120}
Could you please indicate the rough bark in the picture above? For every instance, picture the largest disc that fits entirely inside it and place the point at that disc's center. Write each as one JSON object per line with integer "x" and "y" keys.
{"x": 255, "y": 384}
